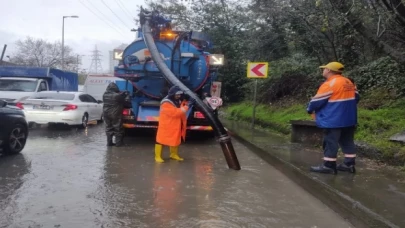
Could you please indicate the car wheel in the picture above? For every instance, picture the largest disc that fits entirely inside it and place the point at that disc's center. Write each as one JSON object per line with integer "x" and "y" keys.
{"x": 101, "y": 119}
{"x": 85, "y": 120}
{"x": 16, "y": 140}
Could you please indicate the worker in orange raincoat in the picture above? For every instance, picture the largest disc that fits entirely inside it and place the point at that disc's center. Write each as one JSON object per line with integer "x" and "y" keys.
{"x": 172, "y": 123}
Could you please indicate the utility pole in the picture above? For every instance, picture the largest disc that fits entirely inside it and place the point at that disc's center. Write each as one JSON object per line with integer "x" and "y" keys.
{"x": 77, "y": 61}
{"x": 2, "y": 53}
{"x": 63, "y": 39}
{"x": 95, "y": 65}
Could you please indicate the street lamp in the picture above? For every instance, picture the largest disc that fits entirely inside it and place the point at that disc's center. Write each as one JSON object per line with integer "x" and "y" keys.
{"x": 63, "y": 38}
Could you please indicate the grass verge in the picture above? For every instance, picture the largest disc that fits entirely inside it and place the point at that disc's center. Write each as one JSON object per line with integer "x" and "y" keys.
{"x": 375, "y": 126}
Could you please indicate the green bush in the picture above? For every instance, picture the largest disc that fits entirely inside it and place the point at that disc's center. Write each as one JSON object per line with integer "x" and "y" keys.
{"x": 379, "y": 82}
{"x": 268, "y": 116}
{"x": 297, "y": 63}
{"x": 377, "y": 98}
{"x": 296, "y": 76}
{"x": 382, "y": 74}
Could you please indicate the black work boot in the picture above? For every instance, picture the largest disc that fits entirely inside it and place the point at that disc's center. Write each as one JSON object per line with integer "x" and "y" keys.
{"x": 346, "y": 168}
{"x": 109, "y": 140}
{"x": 118, "y": 142}
{"x": 327, "y": 167}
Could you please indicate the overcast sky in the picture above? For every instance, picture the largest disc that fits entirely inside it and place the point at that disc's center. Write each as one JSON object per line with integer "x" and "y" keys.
{"x": 43, "y": 19}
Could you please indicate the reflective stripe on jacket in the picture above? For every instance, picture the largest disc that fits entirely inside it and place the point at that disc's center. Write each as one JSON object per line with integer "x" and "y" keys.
{"x": 335, "y": 104}
{"x": 172, "y": 123}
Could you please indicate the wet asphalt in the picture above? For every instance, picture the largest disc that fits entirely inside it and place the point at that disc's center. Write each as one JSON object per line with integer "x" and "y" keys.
{"x": 69, "y": 178}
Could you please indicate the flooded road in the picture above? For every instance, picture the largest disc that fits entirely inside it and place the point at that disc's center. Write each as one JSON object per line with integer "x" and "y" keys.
{"x": 69, "y": 178}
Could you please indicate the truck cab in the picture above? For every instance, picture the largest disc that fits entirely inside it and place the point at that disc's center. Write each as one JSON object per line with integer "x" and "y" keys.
{"x": 13, "y": 89}
{"x": 20, "y": 82}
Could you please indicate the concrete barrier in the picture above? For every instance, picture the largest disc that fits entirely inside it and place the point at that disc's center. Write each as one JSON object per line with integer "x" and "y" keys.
{"x": 306, "y": 132}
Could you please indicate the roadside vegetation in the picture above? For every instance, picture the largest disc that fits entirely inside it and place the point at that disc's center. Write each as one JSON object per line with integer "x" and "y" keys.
{"x": 381, "y": 108}
{"x": 375, "y": 126}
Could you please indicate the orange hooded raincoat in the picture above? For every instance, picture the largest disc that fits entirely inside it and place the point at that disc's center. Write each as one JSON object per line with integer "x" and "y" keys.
{"x": 172, "y": 123}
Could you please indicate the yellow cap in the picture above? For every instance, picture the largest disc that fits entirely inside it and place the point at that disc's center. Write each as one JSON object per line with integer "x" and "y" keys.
{"x": 334, "y": 66}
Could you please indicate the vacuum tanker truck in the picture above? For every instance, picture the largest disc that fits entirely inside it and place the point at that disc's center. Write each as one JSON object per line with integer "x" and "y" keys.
{"x": 160, "y": 58}
{"x": 185, "y": 57}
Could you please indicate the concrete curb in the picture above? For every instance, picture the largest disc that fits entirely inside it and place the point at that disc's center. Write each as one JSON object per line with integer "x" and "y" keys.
{"x": 349, "y": 208}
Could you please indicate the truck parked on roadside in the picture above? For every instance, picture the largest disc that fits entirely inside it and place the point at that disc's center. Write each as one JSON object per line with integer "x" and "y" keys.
{"x": 20, "y": 82}
{"x": 96, "y": 84}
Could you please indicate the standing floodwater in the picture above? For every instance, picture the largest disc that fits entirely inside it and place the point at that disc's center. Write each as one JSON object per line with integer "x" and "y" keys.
{"x": 69, "y": 178}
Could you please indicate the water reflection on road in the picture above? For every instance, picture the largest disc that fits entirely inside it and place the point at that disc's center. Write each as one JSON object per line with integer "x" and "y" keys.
{"x": 69, "y": 178}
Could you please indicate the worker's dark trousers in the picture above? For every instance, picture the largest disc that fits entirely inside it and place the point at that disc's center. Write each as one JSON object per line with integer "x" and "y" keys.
{"x": 113, "y": 126}
{"x": 335, "y": 137}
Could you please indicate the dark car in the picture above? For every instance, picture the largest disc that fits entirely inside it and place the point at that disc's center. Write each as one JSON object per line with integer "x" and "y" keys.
{"x": 13, "y": 129}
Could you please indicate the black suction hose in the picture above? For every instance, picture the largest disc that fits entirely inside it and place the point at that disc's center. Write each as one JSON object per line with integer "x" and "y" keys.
{"x": 175, "y": 47}
{"x": 222, "y": 135}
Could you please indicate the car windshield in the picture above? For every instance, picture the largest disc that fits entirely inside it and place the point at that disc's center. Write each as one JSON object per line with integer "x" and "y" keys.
{"x": 54, "y": 96}
{"x": 18, "y": 85}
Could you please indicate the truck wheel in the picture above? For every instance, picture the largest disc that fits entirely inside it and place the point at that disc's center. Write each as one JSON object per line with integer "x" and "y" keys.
{"x": 16, "y": 140}
{"x": 85, "y": 120}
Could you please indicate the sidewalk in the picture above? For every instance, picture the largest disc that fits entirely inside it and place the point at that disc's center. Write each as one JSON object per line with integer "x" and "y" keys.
{"x": 374, "y": 197}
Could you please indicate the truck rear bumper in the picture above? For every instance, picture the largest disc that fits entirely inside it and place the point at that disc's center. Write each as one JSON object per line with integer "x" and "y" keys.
{"x": 193, "y": 128}
{"x": 193, "y": 124}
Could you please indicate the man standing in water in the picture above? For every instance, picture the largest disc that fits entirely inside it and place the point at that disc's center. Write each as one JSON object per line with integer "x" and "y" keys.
{"x": 172, "y": 124}
{"x": 113, "y": 101}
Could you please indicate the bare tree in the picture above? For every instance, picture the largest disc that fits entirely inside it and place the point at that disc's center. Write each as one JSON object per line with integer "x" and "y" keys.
{"x": 41, "y": 53}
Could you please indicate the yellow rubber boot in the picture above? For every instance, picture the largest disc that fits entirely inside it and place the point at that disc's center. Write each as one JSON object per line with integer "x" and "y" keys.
{"x": 158, "y": 153}
{"x": 174, "y": 153}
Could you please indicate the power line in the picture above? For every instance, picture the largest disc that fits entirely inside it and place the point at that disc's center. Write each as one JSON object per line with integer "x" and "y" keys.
{"x": 96, "y": 62}
{"x": 105, "y": 16}
{"x": 124, "y": 9}
{"x": 101, "y": 18}
{"x": 114, "y": 13}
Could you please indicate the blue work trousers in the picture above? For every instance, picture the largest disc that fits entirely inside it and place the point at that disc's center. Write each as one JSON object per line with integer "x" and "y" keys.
{"x": 343, "y": 137}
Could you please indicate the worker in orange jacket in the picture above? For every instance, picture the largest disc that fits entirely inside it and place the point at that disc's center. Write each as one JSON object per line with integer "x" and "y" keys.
{"x": 335, "y": 109}
{"x": 172, "y": 124}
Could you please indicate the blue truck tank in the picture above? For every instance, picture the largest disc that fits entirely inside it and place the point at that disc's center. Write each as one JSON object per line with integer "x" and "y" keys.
{"x": 183, "y": 53}
{"x": 146, "y": 77}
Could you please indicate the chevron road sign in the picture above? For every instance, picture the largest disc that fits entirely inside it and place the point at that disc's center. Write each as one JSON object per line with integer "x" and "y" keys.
{"x": 257, "y": 69}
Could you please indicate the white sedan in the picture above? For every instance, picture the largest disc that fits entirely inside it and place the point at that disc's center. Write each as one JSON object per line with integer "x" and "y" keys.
{"x": 54, "y": 107}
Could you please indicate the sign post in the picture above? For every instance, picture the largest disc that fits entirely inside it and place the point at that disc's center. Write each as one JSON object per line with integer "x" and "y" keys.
{"x": 254, "y": 104}
{"x": 256, "y": 70}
